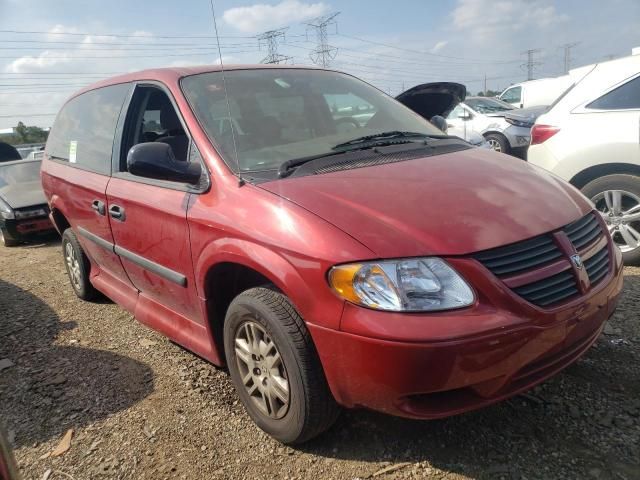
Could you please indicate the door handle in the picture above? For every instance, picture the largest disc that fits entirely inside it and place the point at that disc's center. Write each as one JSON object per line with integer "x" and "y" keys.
{"x": 117, "y": 212}
{"x": 98, "y": 206}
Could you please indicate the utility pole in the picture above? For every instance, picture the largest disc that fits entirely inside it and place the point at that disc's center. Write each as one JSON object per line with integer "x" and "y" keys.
{"x": 531, "y": 63}
{"x": 324, "y": 52}
{"x": 271, "y": 39}
{"x": 485, "y": 85}
{"x": 567, "y": 55}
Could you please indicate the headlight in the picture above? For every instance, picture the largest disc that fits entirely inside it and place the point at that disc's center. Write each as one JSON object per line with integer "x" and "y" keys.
{"x": 22, "y": 214}
{"x": 518, "y": 123}
{"x": 412, "y": 285}
{"x": 6, "y": 211}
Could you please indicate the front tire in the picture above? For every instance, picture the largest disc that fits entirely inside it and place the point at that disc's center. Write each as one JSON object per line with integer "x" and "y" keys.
{"x": 8, "y": 240}
{"x": 275, "y": 367}
{"x": 498, "y": 142}
{"x": 617, "y": 198}
{"x": 77, "y": 265}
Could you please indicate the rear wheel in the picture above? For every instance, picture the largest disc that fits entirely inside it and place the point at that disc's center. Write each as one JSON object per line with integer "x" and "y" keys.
{"x": 617, "y": 198}
{"x": 498, "y": 142}
{"x": 77, "y": 265}
{"x": 275, "y": 368}
{"x": 7, "y": 239}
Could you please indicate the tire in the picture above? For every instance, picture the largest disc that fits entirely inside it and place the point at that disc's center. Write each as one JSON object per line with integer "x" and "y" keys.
{"x": 8, "y": 240}
{"x": 311, "y": 409}
{"x": 498, "y": 142}
{"x": 79, "y": 272}
{"x": 628, "y": 187}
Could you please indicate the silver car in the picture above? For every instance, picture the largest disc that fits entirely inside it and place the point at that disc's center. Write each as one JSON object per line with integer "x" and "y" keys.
{"x": 492, "y": 118}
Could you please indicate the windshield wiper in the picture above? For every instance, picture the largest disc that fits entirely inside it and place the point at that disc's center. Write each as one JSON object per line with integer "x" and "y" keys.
{"x": 379, "y": 139}
{"x": 361, "y": 143}
{"x": 286, "y": 168}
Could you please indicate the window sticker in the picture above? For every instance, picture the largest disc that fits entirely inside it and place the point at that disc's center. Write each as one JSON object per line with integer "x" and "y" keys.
{"x": 73, "y": 150}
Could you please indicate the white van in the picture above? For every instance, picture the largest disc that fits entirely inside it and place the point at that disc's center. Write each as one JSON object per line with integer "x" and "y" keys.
{"x": 591, "y": 138}
{"x": 535, "y": 92}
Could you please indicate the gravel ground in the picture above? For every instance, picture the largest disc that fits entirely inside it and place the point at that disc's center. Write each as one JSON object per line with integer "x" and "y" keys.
{"x": 142, "y": 407}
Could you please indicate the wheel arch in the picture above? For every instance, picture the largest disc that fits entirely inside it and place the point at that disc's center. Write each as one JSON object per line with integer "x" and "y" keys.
{"x": 601, "y": 170}
{"x": 228, "y": 267}
{"x": 58, "y": 217}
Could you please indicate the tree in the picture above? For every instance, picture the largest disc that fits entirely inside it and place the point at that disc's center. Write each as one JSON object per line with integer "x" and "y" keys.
{"x": 489, "y": 93}
{"x": 26, "y": 134}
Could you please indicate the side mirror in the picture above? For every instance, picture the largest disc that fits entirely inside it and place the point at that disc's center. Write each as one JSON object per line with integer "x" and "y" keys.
{"x": 156, "y": 160}
{"x": 439, "y": 122}
{"x": 465, "y": 116}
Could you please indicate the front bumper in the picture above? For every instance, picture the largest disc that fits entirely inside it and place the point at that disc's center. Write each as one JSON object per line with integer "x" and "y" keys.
{"x": 30, "y": 226}
{"x": 457, "y": 362}
{"x": 518, "y": 136}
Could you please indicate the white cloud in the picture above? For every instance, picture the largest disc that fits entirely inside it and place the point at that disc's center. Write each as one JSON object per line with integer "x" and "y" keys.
{"x": 42, "y": 61}
{"x": 260, "y": 16}
{"x": 439, "y": 46}
{"x": 484, "y": 19}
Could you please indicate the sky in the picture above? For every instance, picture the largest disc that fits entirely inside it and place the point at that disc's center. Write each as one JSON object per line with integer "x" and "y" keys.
{"x": 49, "y": 49}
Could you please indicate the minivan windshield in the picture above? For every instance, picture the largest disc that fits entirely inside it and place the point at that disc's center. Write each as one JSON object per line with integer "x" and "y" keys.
{"x": 488, "y": 105}
{"x": 20, "y": 172}
{"x": 279, "y": 115}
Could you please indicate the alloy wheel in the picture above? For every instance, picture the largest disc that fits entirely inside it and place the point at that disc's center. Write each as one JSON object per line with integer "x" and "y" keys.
{"x": 73, "y": 266}
{"x": 621, "y": 212}
{"x": 494, "y": 144}
{"x": 262, "y": 370}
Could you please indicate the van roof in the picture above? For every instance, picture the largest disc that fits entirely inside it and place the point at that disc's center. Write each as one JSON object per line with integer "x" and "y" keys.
{"x": 173, "y": 74}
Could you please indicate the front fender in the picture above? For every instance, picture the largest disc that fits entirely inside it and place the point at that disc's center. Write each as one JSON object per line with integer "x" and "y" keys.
{"x": 308, "y": 292}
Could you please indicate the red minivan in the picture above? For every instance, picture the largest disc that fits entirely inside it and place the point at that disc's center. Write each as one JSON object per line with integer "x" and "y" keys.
{"x": 327, "y": 244}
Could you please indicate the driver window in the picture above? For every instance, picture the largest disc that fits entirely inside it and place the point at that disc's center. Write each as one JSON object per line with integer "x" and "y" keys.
{"x": 512, "y": 95}
{"x": 152, "y": 118}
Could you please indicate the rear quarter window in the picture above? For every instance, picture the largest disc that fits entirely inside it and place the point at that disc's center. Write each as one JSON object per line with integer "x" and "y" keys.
{"x": 84, "y": 130}
{"x": 626, "y": 96}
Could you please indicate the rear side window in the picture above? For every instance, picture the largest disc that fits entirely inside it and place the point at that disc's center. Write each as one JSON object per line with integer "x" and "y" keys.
{"x": 512, "y": 95}
{"x": 84, "y": 130}
{"x": 624, "y": 97}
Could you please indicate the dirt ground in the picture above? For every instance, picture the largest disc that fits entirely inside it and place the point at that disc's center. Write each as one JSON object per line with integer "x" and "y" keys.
{"x": 143, "y": 408}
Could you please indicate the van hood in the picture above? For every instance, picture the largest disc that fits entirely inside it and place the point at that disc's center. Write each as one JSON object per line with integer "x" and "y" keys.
{"x": 436, "y": 98}
{"x": 21, "y": 195}
{"x": 450, "y": 204}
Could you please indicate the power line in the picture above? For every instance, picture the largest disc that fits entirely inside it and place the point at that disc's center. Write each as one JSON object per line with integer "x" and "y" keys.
{"x": 531, "y": 62}
{"x": 477, "y": 60}
{"x": 209, "y": 52}
{"x": 29, "y": 115}
{"x": 271, "y": 38}
{"x": 323, "y": 53}
{"x": 115, "y": 35}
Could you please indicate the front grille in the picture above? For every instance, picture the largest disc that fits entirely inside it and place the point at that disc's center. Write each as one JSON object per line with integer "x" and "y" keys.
{"x": 584, "y": 232}
{"x": 547, "y": 291}
{"x": 521, "y": 256}
{"x": 535, "y": 253}
{"x": 597, "y": 266}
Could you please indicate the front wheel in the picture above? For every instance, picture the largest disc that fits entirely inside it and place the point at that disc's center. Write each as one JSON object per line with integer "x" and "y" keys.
{"x": 498, "y": 142}
{"x": 617, "y": 198}
{"x": 275, "y": 367}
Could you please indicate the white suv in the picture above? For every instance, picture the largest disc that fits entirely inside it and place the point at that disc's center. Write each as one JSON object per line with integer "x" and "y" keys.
{"x": 591, "y": 137}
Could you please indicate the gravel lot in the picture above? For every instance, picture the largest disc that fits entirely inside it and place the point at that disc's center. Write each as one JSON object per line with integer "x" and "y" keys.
{"x": 142, "y": 407}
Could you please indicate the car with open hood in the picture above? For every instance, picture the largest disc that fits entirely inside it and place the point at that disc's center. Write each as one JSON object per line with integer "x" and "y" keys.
{"x": 434, "y": 101}
{"x": 366, "y": 262}
{"x": 23, "y": 206}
